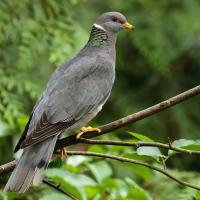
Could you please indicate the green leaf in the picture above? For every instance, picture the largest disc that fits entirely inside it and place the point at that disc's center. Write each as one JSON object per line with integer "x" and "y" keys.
{"x": 150, "y": 151}
{"x": 74, "y": 183}
{"x": 146, "y": 154}
{"x": 101, "y": 170}
{"x": 137, "y": 193}
{"x": 193, "y": 146}
{"x": 185, "y": 144}
{"x": 141, "y": 137}
{"x": 122, "y": 170}
{"x": 135, "y": 156}
{"x": 182, "y": 142}
{"x": 111, "y": 189}
{"x": 143, "y": 172}
{"x": 77, "y": 160}
{"x": 53, "y": 196}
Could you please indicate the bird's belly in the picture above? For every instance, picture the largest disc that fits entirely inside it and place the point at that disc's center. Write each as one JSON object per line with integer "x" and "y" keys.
{"x": 77, "y": 126}
{"x": 92, "y": 114}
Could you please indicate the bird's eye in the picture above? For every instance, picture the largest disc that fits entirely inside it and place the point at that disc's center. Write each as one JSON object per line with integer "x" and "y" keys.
{"x": 114, "y": 19}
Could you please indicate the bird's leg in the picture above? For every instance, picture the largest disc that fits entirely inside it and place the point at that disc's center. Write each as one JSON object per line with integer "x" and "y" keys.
{"x": 63, "y": 153}
{"x": 87, "y": 129}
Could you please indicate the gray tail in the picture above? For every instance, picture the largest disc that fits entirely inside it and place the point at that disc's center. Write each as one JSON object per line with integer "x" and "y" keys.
{"x": 29, "y": 169}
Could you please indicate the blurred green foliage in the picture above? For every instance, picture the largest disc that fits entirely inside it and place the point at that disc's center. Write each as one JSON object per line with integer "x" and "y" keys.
{"x": 160, "y": 59}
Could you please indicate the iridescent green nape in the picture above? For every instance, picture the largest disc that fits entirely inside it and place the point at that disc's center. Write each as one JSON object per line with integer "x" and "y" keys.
{"x": 98, "y": 37}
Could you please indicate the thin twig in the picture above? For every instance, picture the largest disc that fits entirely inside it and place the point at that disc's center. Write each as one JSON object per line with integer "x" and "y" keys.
{"x": 70, "y": 140}
{"x": 8, "y": 167}
{"x": 57, "y": 187}
{"x": 122, "y": 159}
{"x": 139, "y": 144}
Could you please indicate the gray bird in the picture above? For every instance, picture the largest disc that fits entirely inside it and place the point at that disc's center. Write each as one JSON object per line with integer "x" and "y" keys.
{"x": 74, "y": 95}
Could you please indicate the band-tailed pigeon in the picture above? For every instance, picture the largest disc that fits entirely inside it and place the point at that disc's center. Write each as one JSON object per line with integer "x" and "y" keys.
{"x": 74, "y": 94}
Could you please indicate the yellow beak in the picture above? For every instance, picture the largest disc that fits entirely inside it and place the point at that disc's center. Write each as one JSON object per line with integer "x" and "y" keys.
{"x": 127, "y": 25}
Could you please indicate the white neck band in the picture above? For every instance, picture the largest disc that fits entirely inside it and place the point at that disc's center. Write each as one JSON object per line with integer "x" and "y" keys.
{"x": 99, "y": 27}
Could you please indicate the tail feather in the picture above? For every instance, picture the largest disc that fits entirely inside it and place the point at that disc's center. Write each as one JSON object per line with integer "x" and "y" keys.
{"x": 31, "y": 165}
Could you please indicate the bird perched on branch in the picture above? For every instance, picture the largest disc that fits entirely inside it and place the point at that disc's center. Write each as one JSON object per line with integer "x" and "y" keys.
{"x": 74, "y": 95}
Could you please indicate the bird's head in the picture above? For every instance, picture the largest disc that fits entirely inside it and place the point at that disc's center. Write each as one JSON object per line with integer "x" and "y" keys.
{"x": 113, "y": 22}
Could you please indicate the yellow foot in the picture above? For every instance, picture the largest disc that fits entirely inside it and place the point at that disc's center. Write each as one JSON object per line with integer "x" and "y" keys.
{"x": 63, "y": 153}
{"x": 87, "y": 129}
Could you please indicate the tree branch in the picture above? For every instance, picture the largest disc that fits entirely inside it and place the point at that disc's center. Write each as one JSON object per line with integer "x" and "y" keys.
{"x": 70, "y": 140}
{"x": 122, "y": 159}
{"x": 113, "y": 157}
{"x": 8, "y": 167}
{"x": 139, "y": 144}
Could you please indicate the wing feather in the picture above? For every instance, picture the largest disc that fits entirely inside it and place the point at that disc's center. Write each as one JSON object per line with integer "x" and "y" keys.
{"x": 44, "y": 130}
{"x": 69, "y": 97}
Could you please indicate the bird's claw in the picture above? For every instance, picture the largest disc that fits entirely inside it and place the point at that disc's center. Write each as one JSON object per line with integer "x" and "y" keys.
{"x": 63, "y": 153}
{"x": 87, "y": 129}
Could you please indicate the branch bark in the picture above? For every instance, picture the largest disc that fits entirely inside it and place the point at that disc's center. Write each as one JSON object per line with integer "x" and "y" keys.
{"x": 8, "y": 167}
{"x": 70, "y": 140}
{"x": 139, "y": 144}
